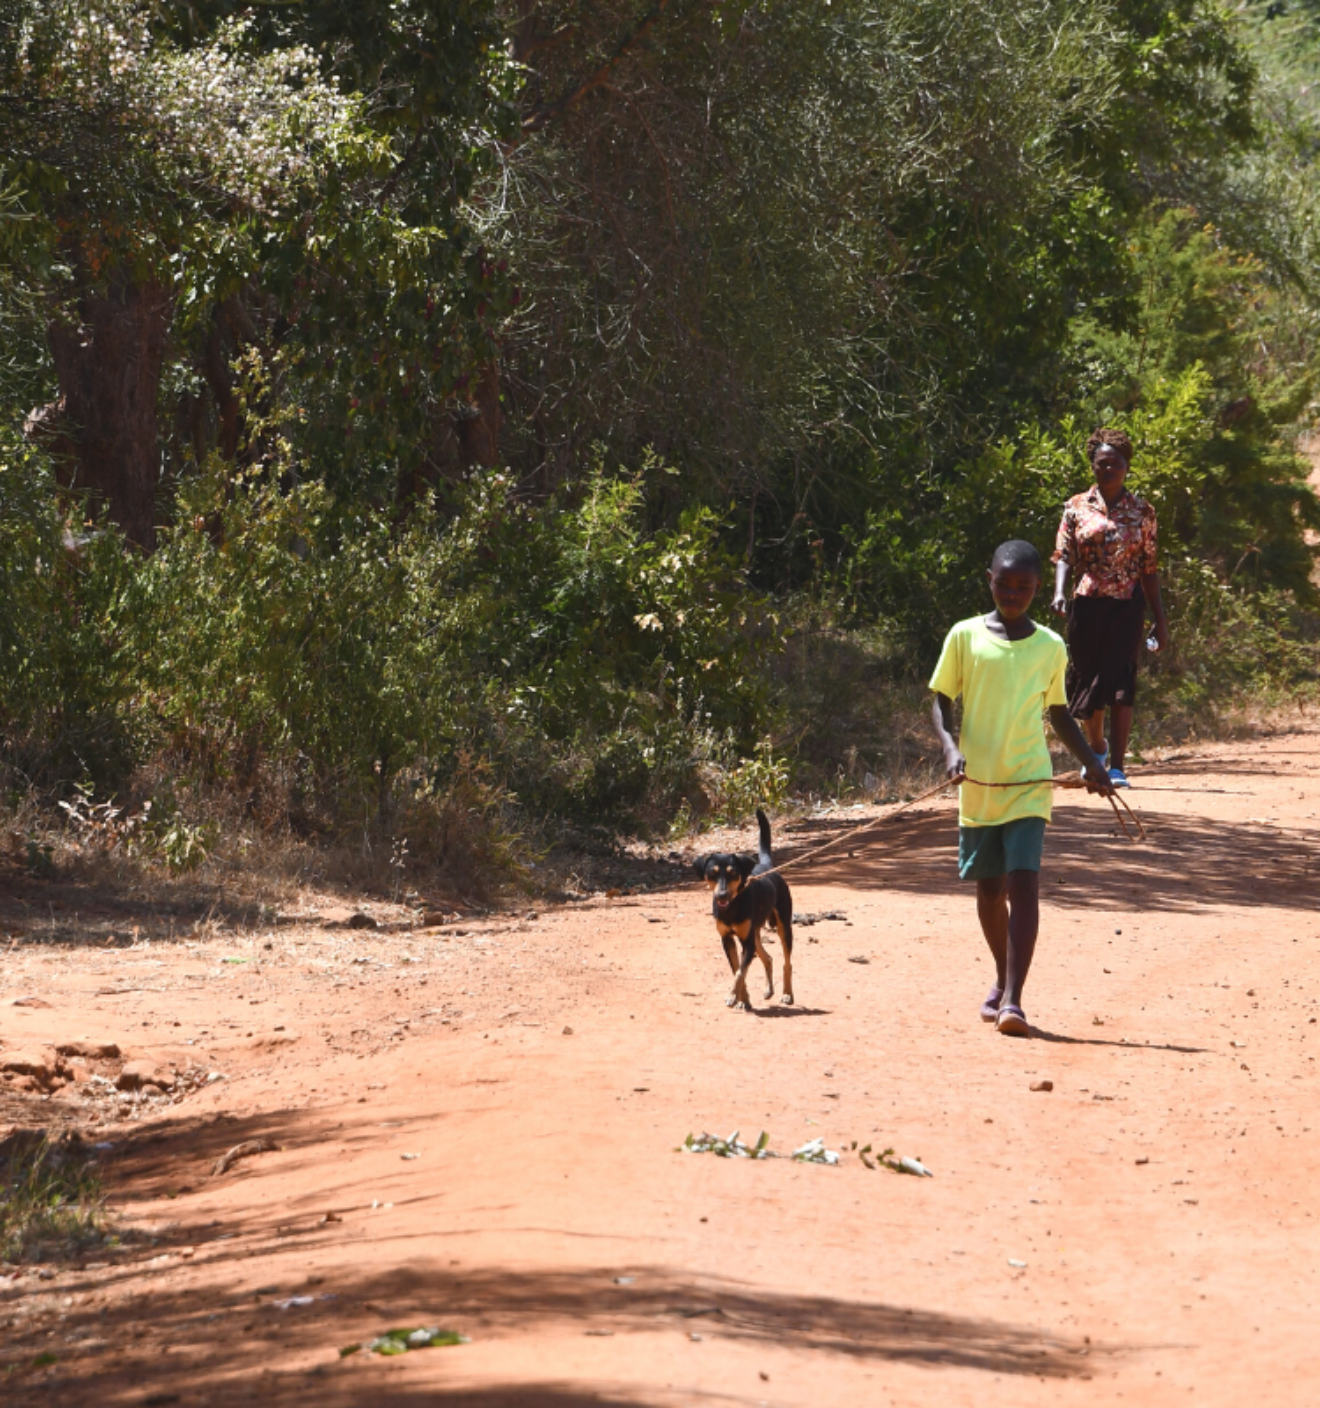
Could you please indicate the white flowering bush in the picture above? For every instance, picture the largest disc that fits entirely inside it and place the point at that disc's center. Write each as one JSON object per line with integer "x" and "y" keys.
{"x": 119, "y": 120}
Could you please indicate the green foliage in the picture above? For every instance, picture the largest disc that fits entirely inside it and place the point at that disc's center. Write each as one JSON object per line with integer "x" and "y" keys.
{"x": 1227, "y": 645}
{"x": 561, "y": 642}
{"x": 293, "y": 179}
{"x": 788, "y": 233}
{"x": 62, "y": 710}
{"x": 1180, "y": 367}
{"x": 846, "y": 285}
{"x": 759, "y": 781}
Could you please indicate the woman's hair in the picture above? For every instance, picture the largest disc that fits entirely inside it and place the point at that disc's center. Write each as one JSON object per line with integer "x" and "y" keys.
{"x": 1115, "y": 439}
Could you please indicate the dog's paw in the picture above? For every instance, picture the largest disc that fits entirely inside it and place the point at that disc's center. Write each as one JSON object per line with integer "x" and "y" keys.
{"x": 787, "y": 999}
{"x": 731, "y": 1000}
{"x": 743, "y": 1005}
{"x": 769, "y": 991}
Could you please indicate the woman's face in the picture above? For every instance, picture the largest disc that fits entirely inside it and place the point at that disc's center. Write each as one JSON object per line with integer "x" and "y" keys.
{"x": 1110, "y": 470}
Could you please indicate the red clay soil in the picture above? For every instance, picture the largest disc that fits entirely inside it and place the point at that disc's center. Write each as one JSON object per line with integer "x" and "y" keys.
{"x": 491, "y": 1115}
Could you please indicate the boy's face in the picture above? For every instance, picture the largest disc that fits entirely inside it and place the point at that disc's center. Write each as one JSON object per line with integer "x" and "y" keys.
{"x": 1013, "y": 589}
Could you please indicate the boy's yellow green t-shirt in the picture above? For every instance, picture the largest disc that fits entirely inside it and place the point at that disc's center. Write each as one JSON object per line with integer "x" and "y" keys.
{"x": 1006, "y": 686}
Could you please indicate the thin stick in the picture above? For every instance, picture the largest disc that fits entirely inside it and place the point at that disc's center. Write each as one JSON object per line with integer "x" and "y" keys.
{"x": 1064, "y": 781}
{"x": 1114, "y": 800}
{"x": 1201, "y": 791}
{"x": 857, "y": 830}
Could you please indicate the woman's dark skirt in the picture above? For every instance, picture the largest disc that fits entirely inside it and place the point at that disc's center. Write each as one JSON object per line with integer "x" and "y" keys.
{"x": 1104, "y": 637}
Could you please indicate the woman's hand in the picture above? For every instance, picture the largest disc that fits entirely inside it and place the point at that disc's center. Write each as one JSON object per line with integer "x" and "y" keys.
{"x": 1060, "y": 603}
{"x": 1161, "y": 634}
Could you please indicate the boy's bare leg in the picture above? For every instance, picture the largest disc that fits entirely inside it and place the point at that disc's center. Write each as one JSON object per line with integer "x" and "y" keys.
{"x": 1009, "y": 911}
{"x": 1023, "y": 887}
{"x": 1008, "y": 907}
{"x": 992, "y": 911}
{"x": 1120, "y": 730}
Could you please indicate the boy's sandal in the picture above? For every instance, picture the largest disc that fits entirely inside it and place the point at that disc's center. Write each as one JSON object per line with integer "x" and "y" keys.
{"x": 1012, "y": 1021}
{"x": 990, "y": 1007}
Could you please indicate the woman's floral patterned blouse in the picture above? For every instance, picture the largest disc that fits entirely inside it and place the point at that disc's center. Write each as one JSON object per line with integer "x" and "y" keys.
{"x": 1108, "y": 548}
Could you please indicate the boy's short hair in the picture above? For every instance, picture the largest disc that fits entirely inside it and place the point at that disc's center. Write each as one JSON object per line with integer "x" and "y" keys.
{"x": 1016, "y": 553}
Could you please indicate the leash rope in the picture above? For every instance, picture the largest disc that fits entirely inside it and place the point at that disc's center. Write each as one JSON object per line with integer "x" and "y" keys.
{"x": 1113, "y": 798}
{"x": 1067, "y": 781}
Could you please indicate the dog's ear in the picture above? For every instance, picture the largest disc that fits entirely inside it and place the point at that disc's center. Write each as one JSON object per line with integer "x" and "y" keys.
{"x": 699, "y": 866}
{"x": 746, "y": 864}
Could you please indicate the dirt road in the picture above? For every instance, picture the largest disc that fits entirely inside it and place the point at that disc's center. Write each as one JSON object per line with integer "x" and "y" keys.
{"x": 489, "y": 1115}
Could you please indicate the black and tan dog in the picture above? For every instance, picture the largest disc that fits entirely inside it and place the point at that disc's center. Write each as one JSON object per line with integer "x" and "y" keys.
{"x": 745, "y": 900}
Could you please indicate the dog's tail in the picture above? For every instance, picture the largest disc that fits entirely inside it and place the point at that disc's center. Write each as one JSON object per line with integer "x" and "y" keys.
{"x": 764, "y": 861}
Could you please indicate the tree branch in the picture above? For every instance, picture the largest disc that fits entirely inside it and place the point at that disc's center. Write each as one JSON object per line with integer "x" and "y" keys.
{"x": 388, "y": 189}
{"x": 542, "y": 116}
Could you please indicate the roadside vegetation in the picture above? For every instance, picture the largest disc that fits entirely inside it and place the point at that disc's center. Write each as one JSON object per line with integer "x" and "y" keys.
{"x": 434, "y": 430}
{"x": 51, "y": 1205}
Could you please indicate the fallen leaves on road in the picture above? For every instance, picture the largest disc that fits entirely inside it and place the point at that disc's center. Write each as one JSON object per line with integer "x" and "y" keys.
{"x": 886, "y": 1157}
{"x": 812, "y": 1152}
{"x": 730, "y": 1148}
{"x": 402, "y": 1340}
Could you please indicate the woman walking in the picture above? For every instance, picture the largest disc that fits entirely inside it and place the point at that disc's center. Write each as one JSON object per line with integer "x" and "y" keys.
{"x": 1107, "y": 538}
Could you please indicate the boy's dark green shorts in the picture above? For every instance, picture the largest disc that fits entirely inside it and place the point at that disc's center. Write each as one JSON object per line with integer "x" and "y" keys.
{"x": 985, "y": 852}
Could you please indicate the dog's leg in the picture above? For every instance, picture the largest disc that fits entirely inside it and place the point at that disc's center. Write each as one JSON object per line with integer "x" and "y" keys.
{"x": 731, "y": 953}
{"x": 784, "y": 928}
{"x": 742, "y": 999}
{"x": 769, "y": 965}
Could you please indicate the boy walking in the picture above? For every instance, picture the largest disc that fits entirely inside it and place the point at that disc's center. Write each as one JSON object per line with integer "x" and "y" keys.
{"x": 1009, "y": 671}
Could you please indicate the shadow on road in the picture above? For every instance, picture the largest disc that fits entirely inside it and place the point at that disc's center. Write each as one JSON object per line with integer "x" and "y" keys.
{"x": 192, "y": 1314}
{"x": 1190, "y": 860}
{"x": 222, "y": 1346}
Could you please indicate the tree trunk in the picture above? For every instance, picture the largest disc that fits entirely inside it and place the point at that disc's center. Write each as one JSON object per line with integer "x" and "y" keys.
{"x": 109, "y": 367}
{"x": 460, "y": 439}
{"x": 479, "y": 421}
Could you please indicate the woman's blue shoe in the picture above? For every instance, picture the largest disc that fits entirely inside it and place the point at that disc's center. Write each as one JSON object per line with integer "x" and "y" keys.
{"x": 1103, "y": 755}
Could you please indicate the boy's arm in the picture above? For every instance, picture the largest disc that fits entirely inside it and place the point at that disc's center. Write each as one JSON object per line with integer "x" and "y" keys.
{"x": 1093, "y": 774}
{"x": 941, "y": 715}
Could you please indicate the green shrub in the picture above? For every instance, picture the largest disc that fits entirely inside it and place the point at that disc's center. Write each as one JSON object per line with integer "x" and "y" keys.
{"x": 560, "y": 642}
{"x": 63, "y": 713}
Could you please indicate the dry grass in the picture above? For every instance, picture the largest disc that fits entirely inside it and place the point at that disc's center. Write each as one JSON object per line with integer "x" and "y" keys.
{"x": 51, "y": 1205}
{"x": 199, "y": 851}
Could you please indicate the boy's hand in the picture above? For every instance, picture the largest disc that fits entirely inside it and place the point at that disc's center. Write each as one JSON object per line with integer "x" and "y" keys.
{"x": 1097, "y": 779}
{"x": 955, "y": 766}
{"x": 1093, "y": 774}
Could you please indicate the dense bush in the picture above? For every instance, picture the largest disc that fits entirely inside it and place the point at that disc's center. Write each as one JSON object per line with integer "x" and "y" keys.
{"x": 842, "y": 287}
{"x": 290, "y": 636}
